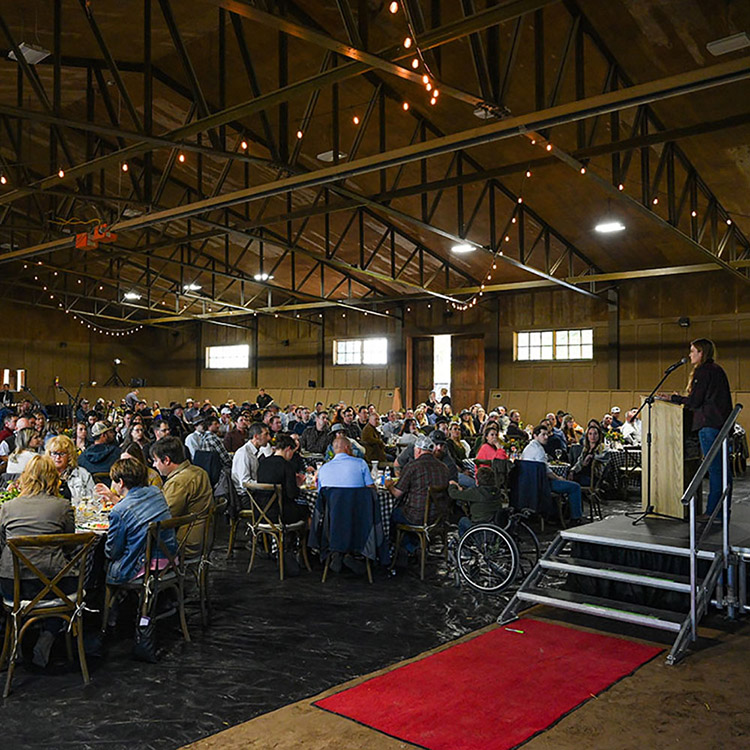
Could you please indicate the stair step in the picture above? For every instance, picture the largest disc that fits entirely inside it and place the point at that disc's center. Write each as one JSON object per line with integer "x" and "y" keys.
{"x": 580, "y": 534}
{"x": 612, "y": 609}
{"x": 612, "y": 572}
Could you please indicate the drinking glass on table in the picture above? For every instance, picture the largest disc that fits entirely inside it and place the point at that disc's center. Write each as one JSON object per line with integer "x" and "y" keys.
{"x": 558, "y": 454}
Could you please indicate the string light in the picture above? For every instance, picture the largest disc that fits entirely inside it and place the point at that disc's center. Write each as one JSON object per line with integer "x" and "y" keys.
{"x": 426, "y": 80}
{"x": 299, "y": 135}
{"x": 3, "y": 179}
{"x": 393, "y": 7}
{"x": 243, "y": 145}
{"x": 549, "y": 147}
{"x": 355, "y": 120}
{"x": 729, "y": 222}
{"x": 124, "y": 166}
{"x": 693, "y": 213}
{"x": 415, "y": 63}
{"x": 433, "y": 101}
{"x": 528, "y": 173}
{"x": 405, "y": 106}
{"x": 583, "y": 170}
{"x": 520, "y": 199}
{"x": 407, "y": 42}
{"x": 655, "y": 201}
{"x": 621, "y": 187}
{"x": 61, "y": 173}
{"x": 181, "y": 158}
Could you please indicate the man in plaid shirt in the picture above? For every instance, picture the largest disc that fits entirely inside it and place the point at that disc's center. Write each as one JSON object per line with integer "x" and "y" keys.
{"x": 210, "y": 441}
{"x": 419, "y": 475}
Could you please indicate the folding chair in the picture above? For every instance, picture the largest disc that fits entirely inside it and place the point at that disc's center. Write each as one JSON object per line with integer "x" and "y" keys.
{"x": 434, "y": 521}
{"x": 156, "y": 579}
{"x": 261, "y": 525}
{"x": 199, "y": 565}
{"x": 51, "y": 601}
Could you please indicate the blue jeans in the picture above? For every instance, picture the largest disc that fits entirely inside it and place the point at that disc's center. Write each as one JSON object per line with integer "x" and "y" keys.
{"x": 573, "y": 491}
{"x": 707, "y": 435}
{"x": 465, "y": 481}
{"x": 409, "y": 541}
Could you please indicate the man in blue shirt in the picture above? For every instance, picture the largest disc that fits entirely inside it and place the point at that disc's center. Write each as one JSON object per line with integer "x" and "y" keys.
{"x": 344, "y": 470}
{"x": 534, "y": 451}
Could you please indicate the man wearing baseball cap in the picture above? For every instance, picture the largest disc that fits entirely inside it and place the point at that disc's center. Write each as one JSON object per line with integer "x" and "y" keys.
{"x": 419, "y": 475}
{"x": 616, "y": 422}
{"x": 104, "y": 451}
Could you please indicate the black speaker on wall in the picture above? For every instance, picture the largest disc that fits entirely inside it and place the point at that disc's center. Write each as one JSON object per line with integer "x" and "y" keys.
{"x": 311, "y": 384}
{"x": 137, "y": 382}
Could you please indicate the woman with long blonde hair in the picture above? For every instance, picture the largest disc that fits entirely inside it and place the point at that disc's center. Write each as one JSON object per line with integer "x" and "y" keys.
{"x": 37, "y": 510}
{"x": 75, "y": 481}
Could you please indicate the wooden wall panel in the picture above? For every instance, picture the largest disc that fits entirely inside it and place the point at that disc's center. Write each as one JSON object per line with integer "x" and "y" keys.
{"x": 467, "y": 371}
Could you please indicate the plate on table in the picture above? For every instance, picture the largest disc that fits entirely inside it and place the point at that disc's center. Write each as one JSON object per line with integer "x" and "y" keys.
{"x": 94, "y": 525}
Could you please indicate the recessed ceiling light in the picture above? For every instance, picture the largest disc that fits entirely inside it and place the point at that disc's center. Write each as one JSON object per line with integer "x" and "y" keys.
{"x": 462, "y": 247}
{"x": 729, "y": 44}
{"x": 132, "y": 295}
{"x": 608, "y": 227}
{"x": 192, "y": 287}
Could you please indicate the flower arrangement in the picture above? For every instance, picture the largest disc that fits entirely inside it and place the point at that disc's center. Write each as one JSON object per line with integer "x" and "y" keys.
{"x": 11, "y": 491}
{"x": 613, "y": 436}
{"x": 511, "y": 445}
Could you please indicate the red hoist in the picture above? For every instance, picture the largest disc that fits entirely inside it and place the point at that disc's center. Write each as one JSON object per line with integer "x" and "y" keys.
{"x": 90, "y": 240}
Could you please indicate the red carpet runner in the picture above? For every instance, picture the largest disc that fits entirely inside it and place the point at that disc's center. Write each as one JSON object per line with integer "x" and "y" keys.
{"x": 492, "y": 692}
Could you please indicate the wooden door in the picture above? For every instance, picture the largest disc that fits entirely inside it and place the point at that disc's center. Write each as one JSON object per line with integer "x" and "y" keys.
{"x": 467, "y": 371}
{"x": 422, "y": 369}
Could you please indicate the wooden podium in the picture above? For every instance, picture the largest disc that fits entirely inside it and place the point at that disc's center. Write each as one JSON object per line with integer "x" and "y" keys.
{"x": 667, "y": 459}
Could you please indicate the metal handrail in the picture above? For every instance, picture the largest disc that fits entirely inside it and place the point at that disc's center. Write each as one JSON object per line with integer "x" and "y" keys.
{"x": 692, "y": 488}
{"x": 720, "y": 443}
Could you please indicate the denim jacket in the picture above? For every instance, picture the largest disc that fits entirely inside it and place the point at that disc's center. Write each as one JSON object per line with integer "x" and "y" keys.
{"x": 128, "y": 527}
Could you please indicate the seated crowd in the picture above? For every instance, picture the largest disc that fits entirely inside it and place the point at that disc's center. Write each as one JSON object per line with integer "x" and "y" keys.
{"x": 151, "y": 463}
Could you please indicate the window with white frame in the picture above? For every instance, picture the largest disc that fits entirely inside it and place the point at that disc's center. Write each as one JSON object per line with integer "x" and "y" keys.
{"x": 234, "y": 357}
{"x": 537, "y": 346}
{"x": 360, "y": 351}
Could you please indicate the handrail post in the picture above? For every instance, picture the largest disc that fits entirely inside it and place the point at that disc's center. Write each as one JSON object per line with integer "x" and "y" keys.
{"x": 693, "y": 574}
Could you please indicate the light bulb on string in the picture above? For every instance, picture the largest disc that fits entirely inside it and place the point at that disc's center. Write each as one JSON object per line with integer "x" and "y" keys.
{"x": 299, "y": 135}
{"x": 433, "y": 101}
{"x": 243, "y": 145}
{"x": 3, "y": 179}
{"x": 528, "y": 173}
{"x": 415, "y": 63}
{"x": 405, "y": 106}
{"x": 407, "y": 42}
{"x": 61, "y": 173}
{"x": 124, "y": 166}
{"x": 355, "y": 120}
{"x": 621, "y": 187}
{"x": 549, "y": 147}
{"x": 393, "y": 7}
{"x": 181, "y": 158}
{"x": 425, "y": 80}
{"x": 428, "y": 86}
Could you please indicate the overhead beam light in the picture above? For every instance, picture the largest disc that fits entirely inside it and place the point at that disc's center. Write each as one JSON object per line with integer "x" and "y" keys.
{"x": 132, "y": 295}
{"x": 262, "y": 277}
{"x": 462, "y": 247}
{"x": 327, "y": 156}
{"x": 729, "y": 44}
{"x": 32, "y": 53}
{"x": 609, "y": 227}
{"x": 192, "y": 287}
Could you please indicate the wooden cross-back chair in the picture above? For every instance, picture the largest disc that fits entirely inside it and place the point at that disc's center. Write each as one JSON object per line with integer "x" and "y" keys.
{"x": 199, "y": 565}
{"x": 51, "y": 600}
{"x": 434, "y": 522}
{"x": 261, "y": 524}
{"x": 156, "y": 579}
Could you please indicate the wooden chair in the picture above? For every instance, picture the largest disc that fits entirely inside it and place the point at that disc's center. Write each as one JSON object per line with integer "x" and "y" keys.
{"x": 156, "y": 579}
{"x": 592, "y": 494}
{"x": 437, "y": 497}
{"x": 51, "y": 601}
{"x": 199, "y": 565}
{"x": 261, "y": 525}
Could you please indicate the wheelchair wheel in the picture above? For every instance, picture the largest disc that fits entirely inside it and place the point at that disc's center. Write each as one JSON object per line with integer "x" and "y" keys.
{"x": 487, "y": 558}
{"x": 528, "y": 546}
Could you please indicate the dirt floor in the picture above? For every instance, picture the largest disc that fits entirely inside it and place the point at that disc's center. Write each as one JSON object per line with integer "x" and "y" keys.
{"x": 699, "y": 704}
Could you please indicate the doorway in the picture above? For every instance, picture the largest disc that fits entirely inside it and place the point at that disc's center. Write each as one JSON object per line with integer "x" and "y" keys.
{"x": 455, "y": 362}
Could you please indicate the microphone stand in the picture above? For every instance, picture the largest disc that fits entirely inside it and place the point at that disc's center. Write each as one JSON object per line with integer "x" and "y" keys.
{"x": 649, "y": 511}
{"x": 72, "y": 400}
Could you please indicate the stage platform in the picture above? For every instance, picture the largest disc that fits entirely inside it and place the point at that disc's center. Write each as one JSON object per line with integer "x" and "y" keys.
{"x": 663, "y": 534}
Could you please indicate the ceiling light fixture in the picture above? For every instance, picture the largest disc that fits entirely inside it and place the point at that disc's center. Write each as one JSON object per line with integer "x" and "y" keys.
{"x": 462, "y": 247}
{"x": 725, "y": 45}
{"x": 327, "y": 156}
{"x": 32, "y": 53}
{"x": 192, "y": 287}
{"x": 262, "y": 277}
{"x": 610, "y": 226}
{"x": 132, "y": 295}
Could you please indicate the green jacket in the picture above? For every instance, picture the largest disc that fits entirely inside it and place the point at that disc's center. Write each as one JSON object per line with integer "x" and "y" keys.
{"x": 188, "y": 490}
{"x": 482, "y": 502}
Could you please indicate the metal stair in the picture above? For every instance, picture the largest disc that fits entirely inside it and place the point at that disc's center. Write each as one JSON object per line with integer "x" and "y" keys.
{"x": 539, "y": 588}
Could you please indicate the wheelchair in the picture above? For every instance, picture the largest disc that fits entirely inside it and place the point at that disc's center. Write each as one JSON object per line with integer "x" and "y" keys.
{"x": 489, "y": 557}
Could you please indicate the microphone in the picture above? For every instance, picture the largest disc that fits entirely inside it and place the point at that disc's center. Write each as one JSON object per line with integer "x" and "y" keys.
{"x": 673, "y": 367}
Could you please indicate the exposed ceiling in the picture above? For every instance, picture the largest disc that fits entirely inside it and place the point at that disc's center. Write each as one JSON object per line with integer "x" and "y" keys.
{"x": 219, "y": 110}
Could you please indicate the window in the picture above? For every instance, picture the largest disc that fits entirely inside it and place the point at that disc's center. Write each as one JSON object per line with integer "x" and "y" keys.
{"x": 535, "y": 346}
{"x": 360, "y": 352}
{"x": 228, "y": 357}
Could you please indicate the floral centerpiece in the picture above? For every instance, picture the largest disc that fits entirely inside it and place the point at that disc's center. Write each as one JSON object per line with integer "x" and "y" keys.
{"x": 613, "y": 436}
{"x": 11, "y": 491}
{"x": 512, "y": 445}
